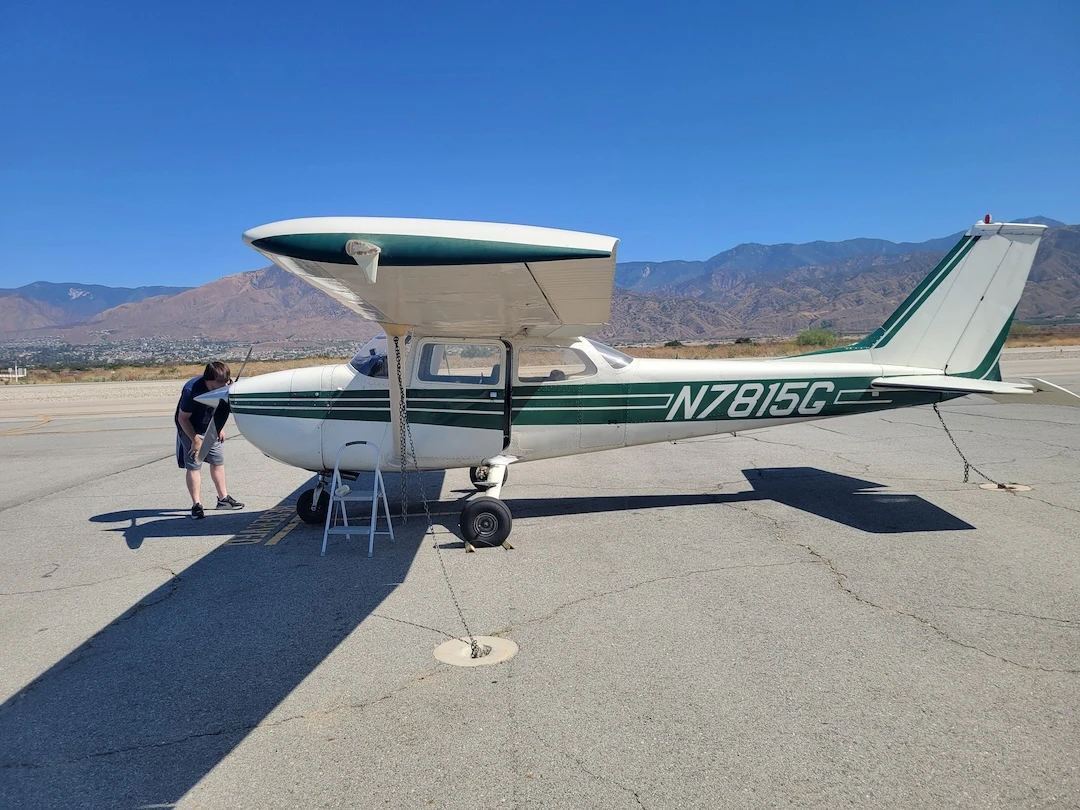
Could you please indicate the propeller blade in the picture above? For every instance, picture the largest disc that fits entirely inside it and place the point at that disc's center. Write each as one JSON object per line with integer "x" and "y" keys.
{"x": 219, "y": 401}
{"x": 244, "y": 364}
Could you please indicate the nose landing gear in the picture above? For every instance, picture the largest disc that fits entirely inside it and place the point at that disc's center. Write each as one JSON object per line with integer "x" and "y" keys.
{"x": 313, "y": 504}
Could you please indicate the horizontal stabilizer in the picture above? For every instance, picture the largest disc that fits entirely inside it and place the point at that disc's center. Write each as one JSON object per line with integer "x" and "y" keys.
{"x": 1032, "y": 391}
{"x": 951, "y": 385}
{"x": 1046, "y": 393}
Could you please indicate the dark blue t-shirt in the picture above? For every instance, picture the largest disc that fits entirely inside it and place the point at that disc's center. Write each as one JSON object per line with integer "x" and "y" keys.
{"x": 200, "y": 414}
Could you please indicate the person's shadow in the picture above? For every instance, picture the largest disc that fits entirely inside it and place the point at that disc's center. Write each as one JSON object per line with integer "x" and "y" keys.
{"x": 138, "y": 525}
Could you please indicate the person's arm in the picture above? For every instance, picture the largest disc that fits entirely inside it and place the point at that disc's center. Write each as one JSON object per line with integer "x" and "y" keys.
{"x": 184, "y": 420}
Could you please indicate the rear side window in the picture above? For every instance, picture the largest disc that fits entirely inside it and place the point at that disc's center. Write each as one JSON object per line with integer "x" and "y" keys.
{"x": 461, "y": 363}
{"x": 538, "y": 364}
{"x": 614, "y": 357}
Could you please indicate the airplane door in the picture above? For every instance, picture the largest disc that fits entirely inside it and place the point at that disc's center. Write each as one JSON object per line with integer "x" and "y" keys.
{"x": 564, "y": 404}
{"x": 458, "y": 409}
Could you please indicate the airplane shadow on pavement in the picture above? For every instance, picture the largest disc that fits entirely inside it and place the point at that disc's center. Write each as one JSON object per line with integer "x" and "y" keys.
{"x": 142, "y": 711}
{"x": 852, "y": 501}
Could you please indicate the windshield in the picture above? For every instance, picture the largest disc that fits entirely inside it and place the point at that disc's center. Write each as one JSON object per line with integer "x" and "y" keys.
{"x": 371, "y": 359}
{"x": 614, "y": 357}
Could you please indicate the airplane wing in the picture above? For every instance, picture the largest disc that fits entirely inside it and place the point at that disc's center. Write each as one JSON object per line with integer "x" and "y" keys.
{"x": 1031, "y": 391}
{"x": 451, "y": 277}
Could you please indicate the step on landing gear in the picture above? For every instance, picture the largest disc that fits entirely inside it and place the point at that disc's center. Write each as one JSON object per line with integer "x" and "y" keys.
{"x": 481, "y": 477}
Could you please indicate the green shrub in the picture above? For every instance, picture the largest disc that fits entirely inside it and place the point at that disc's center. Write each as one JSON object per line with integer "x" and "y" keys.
{"x": 816, "y": 337}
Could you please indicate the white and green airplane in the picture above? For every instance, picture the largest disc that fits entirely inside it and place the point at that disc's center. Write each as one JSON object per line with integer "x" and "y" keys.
{"x": 480, "y": 364}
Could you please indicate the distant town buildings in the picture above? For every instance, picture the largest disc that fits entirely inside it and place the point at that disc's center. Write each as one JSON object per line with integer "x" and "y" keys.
{"x": 54, "y": 353}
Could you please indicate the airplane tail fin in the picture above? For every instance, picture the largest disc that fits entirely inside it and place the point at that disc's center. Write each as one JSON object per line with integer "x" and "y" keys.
{"x": 957, "y": 319}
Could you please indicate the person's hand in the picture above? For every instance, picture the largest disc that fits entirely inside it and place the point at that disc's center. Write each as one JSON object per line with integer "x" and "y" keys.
{"x": 221, "y": 436}
{"x": 196, "y": 443}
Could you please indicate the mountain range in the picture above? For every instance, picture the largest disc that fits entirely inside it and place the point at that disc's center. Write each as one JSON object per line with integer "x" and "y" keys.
{"x": 749, "y": 290}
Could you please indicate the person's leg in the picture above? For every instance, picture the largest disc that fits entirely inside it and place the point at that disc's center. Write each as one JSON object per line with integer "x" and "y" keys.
{"x": 194, "y": 484}
{"x": 190, "y": 465}
{"x": 216, "y": 459}
{"x": 217, "y": 475}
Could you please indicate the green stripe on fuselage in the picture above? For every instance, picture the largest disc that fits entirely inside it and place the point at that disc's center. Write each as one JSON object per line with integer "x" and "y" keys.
{"x": 600, "y": 403}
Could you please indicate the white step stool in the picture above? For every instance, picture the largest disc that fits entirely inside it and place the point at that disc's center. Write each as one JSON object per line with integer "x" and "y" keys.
{"x": 341, "y": 494}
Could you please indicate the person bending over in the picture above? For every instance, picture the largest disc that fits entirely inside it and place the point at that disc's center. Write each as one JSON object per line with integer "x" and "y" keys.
{"x": 192, "y": 419}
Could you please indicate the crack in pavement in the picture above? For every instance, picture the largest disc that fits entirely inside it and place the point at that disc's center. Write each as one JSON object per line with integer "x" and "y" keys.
{"x": 686, "y": 574}
{"x": 1012, "y": 419}
{"x": 784, "y": 444}
{"x": 1027, "y": 439}
{"x": 841, "y": 578}
{"x": 1029, "y": 497}
{"x": 412, "y": 624}
{"x": 59, "y": 588}
{"x": 596, "y": 777}
{"x": 76, "y": 655}
{"x": 97, "y": 481}
{"x": 1014, "y": 613}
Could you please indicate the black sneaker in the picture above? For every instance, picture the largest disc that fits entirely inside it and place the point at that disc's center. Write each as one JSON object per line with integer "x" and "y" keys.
{"x": 197, "y": 512}
{"x": 229, "y": 502}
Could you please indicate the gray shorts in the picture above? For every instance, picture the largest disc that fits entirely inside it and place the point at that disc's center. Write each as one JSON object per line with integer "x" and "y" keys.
{"x": 216, "y": 456}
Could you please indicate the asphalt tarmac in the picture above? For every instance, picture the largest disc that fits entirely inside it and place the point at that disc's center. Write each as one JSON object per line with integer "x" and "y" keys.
{"x": 816, "y": 615}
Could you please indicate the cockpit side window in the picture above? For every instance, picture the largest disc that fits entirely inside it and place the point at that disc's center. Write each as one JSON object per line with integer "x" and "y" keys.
{"x": 460, "y": 363}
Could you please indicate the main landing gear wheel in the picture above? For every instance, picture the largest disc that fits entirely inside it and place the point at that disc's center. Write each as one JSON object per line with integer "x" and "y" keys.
{"x": 485, "y": 521}
{"x": 479, "y": 477}
{"x": 308, "y": 510}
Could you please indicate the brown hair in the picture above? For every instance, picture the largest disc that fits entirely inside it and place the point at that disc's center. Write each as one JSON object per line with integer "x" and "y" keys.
{"x": 217, "y": 372}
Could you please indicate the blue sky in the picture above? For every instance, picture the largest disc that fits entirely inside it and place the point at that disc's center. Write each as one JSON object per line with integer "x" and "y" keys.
{"x": 141, "y": 139}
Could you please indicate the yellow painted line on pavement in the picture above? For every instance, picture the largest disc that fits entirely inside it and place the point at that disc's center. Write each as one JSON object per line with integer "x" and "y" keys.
{"x": 72, "y": 432}
{"x": 277, "y": 538}
{"x": 42, "y": 419}
{"x": 264, "y": 526}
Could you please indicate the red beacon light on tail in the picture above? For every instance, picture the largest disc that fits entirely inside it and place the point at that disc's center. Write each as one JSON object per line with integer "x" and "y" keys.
{"x": 986, "y": 219}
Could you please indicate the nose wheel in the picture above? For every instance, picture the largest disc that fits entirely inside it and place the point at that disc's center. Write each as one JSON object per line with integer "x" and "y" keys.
{"x": 313, "y": 504}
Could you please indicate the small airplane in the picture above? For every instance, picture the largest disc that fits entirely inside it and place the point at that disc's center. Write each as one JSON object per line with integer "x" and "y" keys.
{"x": 481, "y": 364}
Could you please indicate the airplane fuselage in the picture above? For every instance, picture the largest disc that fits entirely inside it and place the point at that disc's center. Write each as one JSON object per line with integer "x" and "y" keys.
{"x": 563, "y": 397}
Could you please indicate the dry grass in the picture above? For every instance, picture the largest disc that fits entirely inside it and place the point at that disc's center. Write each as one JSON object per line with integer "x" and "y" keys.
{"x": 1025, "y": 336}
{"x": 719, "y": 351}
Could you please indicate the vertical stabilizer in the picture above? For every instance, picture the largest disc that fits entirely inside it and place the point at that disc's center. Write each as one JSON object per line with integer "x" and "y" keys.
{"x": 958, "y": 317}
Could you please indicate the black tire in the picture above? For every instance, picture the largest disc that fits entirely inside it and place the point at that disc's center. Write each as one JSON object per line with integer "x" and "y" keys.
{"x": 479, "y": 477}
{"x": 310, "y": 512}
{"x": 485, "y": 521}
